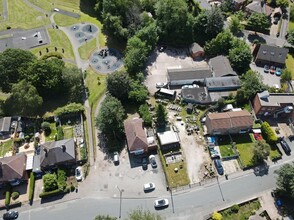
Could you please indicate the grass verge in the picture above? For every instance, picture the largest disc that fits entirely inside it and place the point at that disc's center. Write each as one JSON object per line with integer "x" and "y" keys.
{"x": 87, "y": 49}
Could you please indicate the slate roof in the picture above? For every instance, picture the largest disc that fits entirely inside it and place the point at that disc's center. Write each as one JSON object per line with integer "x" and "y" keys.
{"x": 188, "y": 73}
{"x": 5, "y": 124}
{"x": 257, "y": 6}
{"x": 228, "y": 120}
{"x": 56, "y": 154}
{"x": 13, "y": 167}
{"x": 221, "y": 66}
{"x": 135, "y": 134}
{"x": 198, "y": 95}
{"x": 272, "y": 54}
{"x": 275, "y": 99}
{"x": 223, "y": 82}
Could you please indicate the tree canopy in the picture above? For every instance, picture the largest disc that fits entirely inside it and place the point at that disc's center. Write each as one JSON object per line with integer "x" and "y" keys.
{"x": 118, "y": 85}
{"x": 261, "y": 150}
{"x": 73, "y": 85}
{"x": 235, "y": 25}
{"x": 240, "y": 56}
{"x": 285, "y": 180}
{"x": 258, "y": 22}
{"x": 161, "y": 115}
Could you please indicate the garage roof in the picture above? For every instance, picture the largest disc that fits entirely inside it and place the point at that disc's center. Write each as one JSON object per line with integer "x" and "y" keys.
{"x": 168, "y": 137}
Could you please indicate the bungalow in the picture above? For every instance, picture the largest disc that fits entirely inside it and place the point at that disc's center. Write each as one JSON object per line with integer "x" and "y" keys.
{"x": 270, "y": 55}
{"x": 229, "y": 122}
{"x": 196, "y": 51}
{"x": 136, "y": 137}
{"x": 220, "y": 67}
{"x": 259, "y": 7}
{"x": 13, "y": 169}
{"x": 274, "y": 105}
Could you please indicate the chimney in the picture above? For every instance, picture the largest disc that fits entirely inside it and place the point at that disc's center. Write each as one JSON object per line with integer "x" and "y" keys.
{"x": 63, "y": 148}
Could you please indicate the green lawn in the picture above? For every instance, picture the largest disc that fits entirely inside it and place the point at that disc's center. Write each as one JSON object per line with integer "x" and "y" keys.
{"x": 20, "y": 15}
{"x": 5, "y": 147}
{"x": 68, "y": 132}
{"x": 291, "y": 25}
{"x": 48, "y": 5}
{"x": 274, "y": 153}
{"x": 51, "y": 136}
{"x": 290, "y": 63}
{"x": 87, "y": 49}
{"x": 225, "y": 146}
{"x": 59, "y": 40}
{"x": 244, "y": 212}
{"x": 245, "y": 144}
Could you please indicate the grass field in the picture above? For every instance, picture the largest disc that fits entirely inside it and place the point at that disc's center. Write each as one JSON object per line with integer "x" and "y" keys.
{"x": 87, "y": 49}
{"x": 68, "y": 132}
{"x": 5, "y": 147}
{"x": 48, "y": 5}
{"x": 245, "y": 144}
{"x": 58, "y": 39}
{"x": 20, "y": 15}
{"x": 225, "y": 146}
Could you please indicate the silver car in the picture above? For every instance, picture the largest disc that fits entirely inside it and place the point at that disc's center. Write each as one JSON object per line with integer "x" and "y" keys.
{"x": 160, "y": 203}
{"x": 149, "y": 186}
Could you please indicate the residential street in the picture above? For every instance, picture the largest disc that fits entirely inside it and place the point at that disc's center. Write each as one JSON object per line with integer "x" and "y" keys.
{"x": 191, "y": 204}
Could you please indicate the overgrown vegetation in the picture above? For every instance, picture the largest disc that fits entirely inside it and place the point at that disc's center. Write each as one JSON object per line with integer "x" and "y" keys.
{"x": 32, "y": 187}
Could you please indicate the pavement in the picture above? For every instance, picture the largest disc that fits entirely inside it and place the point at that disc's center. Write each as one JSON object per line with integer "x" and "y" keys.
{"x": 267, "y": 78}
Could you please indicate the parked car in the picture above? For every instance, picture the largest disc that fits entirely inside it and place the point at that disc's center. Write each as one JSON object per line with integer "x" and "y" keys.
{"x": 149, "y": 186}
{"x": 144, "y": 163}
{"x": 115, "y": 158}
{"x": 278, "y": 71}
{"x": 272, "y": 69}
{"x": 10, "y": 215}
{"x": 79, "y": 173}
{"x": 56, "y": 9}
{"x": 257, "y": 136}
{"x": 266, "y": 68}
{"x": 219, "y": 167}
{"x": 161, "y": 85}
{"x": 152, "y": 161}
{"x": 285, "y": 146}
{"x": 160, "y": 203}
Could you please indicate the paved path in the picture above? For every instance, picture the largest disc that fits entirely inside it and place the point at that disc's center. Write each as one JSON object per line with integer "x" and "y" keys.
{"x": 31, "y": 5}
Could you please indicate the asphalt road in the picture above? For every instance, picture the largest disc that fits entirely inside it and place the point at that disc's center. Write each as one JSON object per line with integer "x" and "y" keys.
{"x": 191, "y": 204}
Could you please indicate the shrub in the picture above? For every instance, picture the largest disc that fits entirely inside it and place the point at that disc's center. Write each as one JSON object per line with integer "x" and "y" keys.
{"x": 70, "y": 109}
{"x": 7, "y": 197}
{"x": 31, "y": 187}
{"x": 52, "y": 54}
{"x": 145, "y": 114}
{"x": 61, "y": 179}
{"x": 268, "y": 133}
{"x": 217, "y": 216}
{"x": 51, "y": 193}
{"x": 235, "y": 208}
{"x": 72, "y": 188}
{"x": 50, "y": 182}
{"x": 46, "y": 127}
{"x": 59, "y": 134}
{"x": 15, "y": 195}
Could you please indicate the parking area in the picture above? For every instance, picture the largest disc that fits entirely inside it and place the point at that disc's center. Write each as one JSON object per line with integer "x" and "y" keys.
{"x": 172, "y": 58}
{"x": 269, "y": 79}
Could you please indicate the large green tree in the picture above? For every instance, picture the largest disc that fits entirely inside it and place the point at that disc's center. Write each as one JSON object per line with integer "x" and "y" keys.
{"x": 261, "y": 150}
{"x": 208, "y": 24}
{"x": 161, "y": 115}
{"x": 174, "y": 21}
{"x": 240, "y": 56}
{"x": 285, "y": 180}
{"x": 149, "y": 35}
{"x": 110, "y": 118}
{"x": 13, "y": 64}
{"x": 145, "y": 114}
{"x": 258, "y": 22}
{"x": 24, "y": 100}
{"x": 138, "y": 92}
{"x": 235, "y": 25}
{"x": 282, "y": 3}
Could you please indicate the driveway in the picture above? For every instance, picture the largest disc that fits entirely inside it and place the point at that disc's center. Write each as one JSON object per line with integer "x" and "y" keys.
{"x": 267, "y": 78}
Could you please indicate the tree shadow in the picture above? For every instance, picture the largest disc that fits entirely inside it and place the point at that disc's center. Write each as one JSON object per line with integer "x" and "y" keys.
{"x": 261, "y": 170}
{"x": 255, "y": 37}
{"x": 52, "y": 198}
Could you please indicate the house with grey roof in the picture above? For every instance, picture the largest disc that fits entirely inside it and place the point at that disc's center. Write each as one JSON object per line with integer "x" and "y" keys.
{"x": 259, "y": 6}
{"x": 220, "y": 67}
{"x": 5, "y": 127}
{"x": 228, "y": 83}
{"x": 270, "y": 55}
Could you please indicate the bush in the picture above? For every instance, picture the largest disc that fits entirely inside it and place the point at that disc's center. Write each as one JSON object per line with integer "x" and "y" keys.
{"x": 46, "y": 127}
{"x": 61, "y": 179}
{"x": 268, "y": 133}
{"x": 70, "y": 109}
{"x": 51, "y": 193}
{"x": 15, "y": 195}
{"x": 50, "y": 182}
{"x": 52, "y": 54}
{"x": 7, "y": 197}
{"x": 145, "y": 114}
{"x": 217, "y": 216}
{"x": 59, "y": 134}
{"x": 31, "y": 187}
{"x": 72, "y": 188}
{"x": 235, "y": 208}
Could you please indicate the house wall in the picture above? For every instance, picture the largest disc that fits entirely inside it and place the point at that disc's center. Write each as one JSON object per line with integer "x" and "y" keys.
{"x": 256, "y": 104}
{"x": 235, "y": 130}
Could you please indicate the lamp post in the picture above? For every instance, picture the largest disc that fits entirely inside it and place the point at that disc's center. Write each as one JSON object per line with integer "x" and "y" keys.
{"x": 120, "y": 199}
{"x": 220, "y": 189}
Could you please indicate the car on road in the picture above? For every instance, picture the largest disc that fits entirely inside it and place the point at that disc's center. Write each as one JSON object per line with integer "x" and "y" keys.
{"x": 56, "y": 9}
{"x": 161, "y": 85}
{"x": 115, "y": 158}
{"x": 160, "y": 203}
{"x": 278, "y": 71}
{"x": 149, "y": 186}
{"x": 144, "y": 163}
{"x": 152, "y": 161}
{"x": 285, "y": 146}
{"x": 10, "y": 215}
{"x": 219, "y": 167}
{"x": 79, "y": 173}
{"x": 266, "y": 68}
{"x": 272, "y": 69}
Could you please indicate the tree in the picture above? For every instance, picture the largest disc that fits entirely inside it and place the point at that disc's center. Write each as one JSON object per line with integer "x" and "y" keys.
{"x": 46, "y": 76}
{"x": 136, "y": 55}
{"x": 13, "y": 63}
{"x": 69, "y": 109}
{"x": 46, "y": 127}
{"x": 110, "y": 118}
{"x": 261, "y": 150}
{"x": 286, "y": 75}
{"x": 217, "y": 216}
{"x": 268, "y": 133}
{"x": 285, "y": 180}
{"x": 227, "y": 6}
{"x": 174, "y": 22}
{"x": 145, "y": 114}
{"x": 208, "y": 24}
{"x": 290, "y": 37}
{"x": 24, "y": 100}
{"x": 258, "y": 22}
{"x": 161, "y": 115}
{"x": 219, "y": 45}
{"x": 140, "y": 214}
{"x": 138, "y": 92}
{"x": 235, "y": 25}
{"x": 104, "y": 217}
{"x": 240, "y": 56}
{"x": 251, "y": 84}
{"x": 148, "y": 34}
{"x": 73, "y": 85}
{"x": 118, "y": 85}
{"x": 50, "y": 182}
{"x": 282, "y": 3}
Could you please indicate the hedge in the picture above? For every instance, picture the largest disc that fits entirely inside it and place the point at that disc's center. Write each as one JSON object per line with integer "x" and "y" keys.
{"x": 52, "y": 54}
{"x": 7, "y": 197}
{"x": 15, "y": 195}
{"x": 61, "y": 179}
{"x": 59, "y": 134}
{"x": 32, "y": 187}
{"x": 268, "y": 133}
{"x": 72, "y": 108}
{"x": 51, "y": 193}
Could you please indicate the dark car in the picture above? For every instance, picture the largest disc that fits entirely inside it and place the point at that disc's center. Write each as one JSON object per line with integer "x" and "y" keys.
{"x": 266, "y": 68}
{"x": 219, "y": 167}
{"x": 10, "y": 215}
{"x": 144, "y": 163}
{"x": 285, "y": 146}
